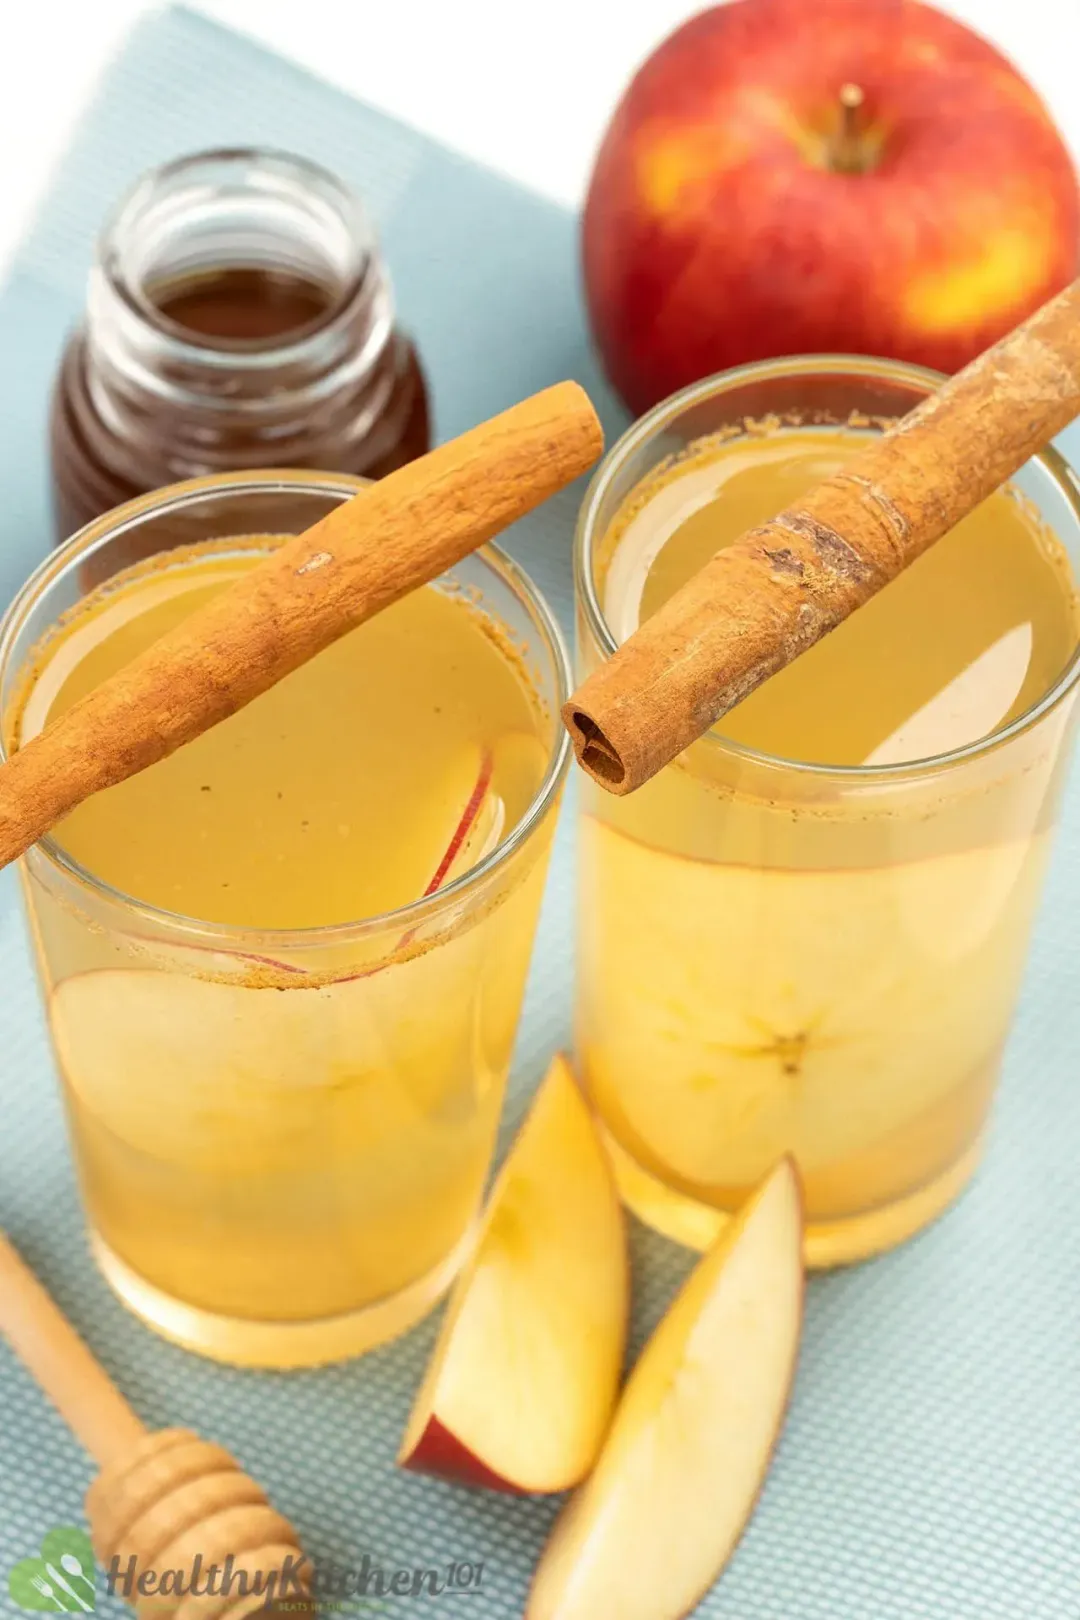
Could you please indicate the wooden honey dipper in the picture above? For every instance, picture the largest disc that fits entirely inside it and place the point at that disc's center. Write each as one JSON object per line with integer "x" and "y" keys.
{"x": 167, "y": 1499}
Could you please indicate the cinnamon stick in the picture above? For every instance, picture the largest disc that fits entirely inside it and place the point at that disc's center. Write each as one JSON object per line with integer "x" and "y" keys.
{"x": 762, "y": 601}
{"x": 367, "y": 553}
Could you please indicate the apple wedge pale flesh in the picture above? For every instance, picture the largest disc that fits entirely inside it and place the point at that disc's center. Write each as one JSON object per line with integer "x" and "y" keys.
{"x": 523, "y": 1380}
{"x": 684, "y": 1461}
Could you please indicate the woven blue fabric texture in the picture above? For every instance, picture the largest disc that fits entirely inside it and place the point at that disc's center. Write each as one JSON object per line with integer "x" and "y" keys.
{"x": 931, "y": 1466}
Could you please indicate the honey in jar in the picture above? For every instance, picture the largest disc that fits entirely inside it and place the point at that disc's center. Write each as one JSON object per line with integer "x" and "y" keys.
{"x": 239, "y": 315}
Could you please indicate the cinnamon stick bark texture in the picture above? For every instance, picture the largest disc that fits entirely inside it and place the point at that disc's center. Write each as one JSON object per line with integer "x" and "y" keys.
{"x": 764, "y": 600}
{"x": 398, "y": 534}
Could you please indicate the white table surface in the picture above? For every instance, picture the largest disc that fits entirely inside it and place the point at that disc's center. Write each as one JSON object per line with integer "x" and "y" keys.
{"x": 524, "y": 88}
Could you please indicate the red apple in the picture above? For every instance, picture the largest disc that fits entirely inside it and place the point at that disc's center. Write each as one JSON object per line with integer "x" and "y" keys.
{"x": 847, "y": 176}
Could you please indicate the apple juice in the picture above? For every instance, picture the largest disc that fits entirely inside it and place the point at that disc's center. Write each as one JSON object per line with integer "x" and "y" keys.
{"x": 283, "y": 1118}
{"x": 806, "y": 935}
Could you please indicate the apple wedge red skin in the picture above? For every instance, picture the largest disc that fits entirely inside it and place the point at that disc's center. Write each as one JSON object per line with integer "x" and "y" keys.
{"x": 441, "y": 1454}
{"x": 524, "y": 1376}
{"x": 716, "y": 233}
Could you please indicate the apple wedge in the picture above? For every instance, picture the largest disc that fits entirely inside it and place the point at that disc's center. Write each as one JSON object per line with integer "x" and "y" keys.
{"x": 684, "y": 1461}
{"x": 524, "y": 1376}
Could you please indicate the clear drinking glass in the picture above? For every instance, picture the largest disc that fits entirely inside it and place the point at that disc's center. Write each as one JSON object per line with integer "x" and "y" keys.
{"x": 776, "y": 956}
{"x": 286, "y": 1166}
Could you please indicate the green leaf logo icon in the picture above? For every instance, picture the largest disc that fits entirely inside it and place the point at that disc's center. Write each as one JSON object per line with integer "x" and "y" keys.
{"x": 61, "y": 1579}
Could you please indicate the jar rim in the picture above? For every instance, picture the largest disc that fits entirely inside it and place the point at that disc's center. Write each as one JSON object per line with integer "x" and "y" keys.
{"x": 416, "y": 913}
{"x": 312, "y": 183}
{"x": 589, "y": 534}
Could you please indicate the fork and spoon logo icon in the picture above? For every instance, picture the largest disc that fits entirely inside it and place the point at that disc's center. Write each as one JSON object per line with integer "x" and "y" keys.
{"x": 61, "y": 1579}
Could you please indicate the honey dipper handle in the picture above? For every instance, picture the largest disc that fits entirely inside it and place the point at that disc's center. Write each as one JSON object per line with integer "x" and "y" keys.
{"x": 52, "y": 1352}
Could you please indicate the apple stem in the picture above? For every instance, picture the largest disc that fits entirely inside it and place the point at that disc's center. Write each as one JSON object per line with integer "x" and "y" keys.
{"x": 849, "y": 152}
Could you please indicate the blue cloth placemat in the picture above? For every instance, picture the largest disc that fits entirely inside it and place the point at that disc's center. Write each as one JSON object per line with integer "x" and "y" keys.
{"x": 931, "y": 1467}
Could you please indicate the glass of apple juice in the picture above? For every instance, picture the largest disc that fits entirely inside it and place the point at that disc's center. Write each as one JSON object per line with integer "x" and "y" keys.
{"x": 807, "y": 934}
{"x": 283, "y": 968}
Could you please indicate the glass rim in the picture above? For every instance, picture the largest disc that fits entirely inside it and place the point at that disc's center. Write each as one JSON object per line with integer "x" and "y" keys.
{"x": 587, "y": 535}
{"x": 253, "y": 354}
{"x": 174, "y": 497}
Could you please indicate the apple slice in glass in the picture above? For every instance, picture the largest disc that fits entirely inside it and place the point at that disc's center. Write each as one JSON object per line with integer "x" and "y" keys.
{"x": 523, "y": 1379}
{"x": 198, "y": 1071}
{"x": 684, "y": 1461}
{"x": 458, "y": 826}
{"x": 478, "y": 828}
{"x": 467, "y": 823}
{"x": 479, "y": 823}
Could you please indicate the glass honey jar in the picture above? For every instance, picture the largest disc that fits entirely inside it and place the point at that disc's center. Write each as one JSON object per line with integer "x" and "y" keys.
{"x": 239, "y": 315}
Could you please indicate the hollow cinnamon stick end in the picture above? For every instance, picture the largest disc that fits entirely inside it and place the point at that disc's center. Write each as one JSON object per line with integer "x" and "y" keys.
{"x": 616, "y": 765}
{"x": 638, "y": 711}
